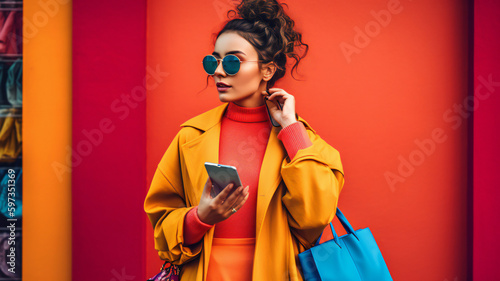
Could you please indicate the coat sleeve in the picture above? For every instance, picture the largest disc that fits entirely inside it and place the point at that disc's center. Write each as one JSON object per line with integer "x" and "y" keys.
{"x": 165, "y": 206}
{"x": 314, "y": 179}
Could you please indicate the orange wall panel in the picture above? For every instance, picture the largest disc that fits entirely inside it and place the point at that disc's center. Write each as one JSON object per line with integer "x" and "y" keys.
{"x": 46, "y": 140}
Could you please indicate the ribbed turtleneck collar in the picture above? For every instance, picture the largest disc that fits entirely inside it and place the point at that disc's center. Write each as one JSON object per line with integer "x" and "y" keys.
{"x": 246, "y": 114}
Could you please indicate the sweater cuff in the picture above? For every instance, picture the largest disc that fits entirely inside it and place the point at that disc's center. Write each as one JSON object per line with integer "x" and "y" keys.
{"x": 294, "y": 138}
{"x": 194, "y": 228}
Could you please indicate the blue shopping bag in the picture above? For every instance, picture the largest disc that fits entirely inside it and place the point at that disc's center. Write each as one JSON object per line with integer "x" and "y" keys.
{"x": 354, "y": 256}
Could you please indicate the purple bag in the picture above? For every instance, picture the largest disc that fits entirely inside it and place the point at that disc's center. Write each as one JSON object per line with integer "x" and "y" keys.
{"x": 169, "y": 272}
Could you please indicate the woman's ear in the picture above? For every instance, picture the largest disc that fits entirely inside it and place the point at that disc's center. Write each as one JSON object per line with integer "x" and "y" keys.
{"x": 268, "y": 71}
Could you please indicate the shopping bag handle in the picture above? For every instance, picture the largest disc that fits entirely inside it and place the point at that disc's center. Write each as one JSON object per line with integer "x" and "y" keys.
{"x": 347, "y": 226}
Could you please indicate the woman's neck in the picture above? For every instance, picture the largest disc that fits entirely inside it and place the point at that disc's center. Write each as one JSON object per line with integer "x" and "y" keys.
{"x": 246, "y": 114}
{"x": 254, "y": 100}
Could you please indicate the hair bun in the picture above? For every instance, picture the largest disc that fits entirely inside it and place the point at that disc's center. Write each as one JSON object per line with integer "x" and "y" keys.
{"x": 266, "y": 11}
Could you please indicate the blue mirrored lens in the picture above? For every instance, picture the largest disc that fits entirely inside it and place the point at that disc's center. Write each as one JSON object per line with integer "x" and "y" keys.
{"x": 210, "y": 64}
{"x": 231, "y": 64}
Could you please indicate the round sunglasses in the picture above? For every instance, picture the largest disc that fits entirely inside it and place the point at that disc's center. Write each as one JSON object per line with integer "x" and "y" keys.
{"x": 230, "y": 64}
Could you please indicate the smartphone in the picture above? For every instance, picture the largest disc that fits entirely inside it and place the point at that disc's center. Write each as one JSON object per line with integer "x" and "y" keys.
{"x": 221, "y": 176}
{"x": 275, "y": 124}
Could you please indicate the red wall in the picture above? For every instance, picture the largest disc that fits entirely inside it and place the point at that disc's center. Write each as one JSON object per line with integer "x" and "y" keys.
{"x": 486, "y": 139}
{"x": 383, "y": 106}
{"x": 385, "y": 100}
{"x": 392, "y": 107}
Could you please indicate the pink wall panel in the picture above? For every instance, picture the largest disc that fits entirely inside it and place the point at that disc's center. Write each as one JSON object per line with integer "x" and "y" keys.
{"x": 485, "y": 107}
{"x": 109, "y": 139}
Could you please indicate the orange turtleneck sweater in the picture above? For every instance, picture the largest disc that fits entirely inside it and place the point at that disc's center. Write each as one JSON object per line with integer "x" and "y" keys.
{"x": 243, "y": 140}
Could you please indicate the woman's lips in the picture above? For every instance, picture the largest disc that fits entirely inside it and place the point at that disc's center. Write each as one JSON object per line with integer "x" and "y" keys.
{"x": 222, "y": 87}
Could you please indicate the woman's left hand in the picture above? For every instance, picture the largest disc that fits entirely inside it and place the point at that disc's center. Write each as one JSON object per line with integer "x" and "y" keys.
{"x": 286, "y": 116}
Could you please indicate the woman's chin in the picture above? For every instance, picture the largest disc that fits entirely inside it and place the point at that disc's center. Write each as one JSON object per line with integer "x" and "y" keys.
{"x": 223, "y": 97}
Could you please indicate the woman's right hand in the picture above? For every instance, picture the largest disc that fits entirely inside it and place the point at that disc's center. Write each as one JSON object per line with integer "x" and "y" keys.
{"x": 214, "y": 210}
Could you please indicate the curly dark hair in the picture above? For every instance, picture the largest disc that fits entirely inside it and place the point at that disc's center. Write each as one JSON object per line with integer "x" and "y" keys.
{"x": 266, "y": 26}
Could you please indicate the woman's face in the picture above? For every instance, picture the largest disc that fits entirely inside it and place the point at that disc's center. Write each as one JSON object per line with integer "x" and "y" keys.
{"x": 245, "y": 87}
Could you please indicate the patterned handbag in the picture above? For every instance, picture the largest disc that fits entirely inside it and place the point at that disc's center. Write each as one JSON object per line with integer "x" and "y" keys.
{"x": 169, "y": 272}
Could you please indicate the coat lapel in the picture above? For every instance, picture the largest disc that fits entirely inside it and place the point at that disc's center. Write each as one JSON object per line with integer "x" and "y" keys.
{"x": 201, "y": 149}
{"x": 270, "y": 175}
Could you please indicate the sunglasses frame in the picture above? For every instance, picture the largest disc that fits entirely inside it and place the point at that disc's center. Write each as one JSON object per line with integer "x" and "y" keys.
{"x": 220, "y": 61}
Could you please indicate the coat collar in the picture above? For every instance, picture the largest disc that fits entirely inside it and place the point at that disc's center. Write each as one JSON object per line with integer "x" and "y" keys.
{"x": 212, "y": 117}
{"x": 208, "y": 119}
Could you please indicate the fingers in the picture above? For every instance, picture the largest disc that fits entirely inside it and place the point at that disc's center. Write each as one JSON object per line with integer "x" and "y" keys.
{"x": 278, "y": 97}
{"x": 208, "y": 188}
{"x": 222, "y": 197}
{"x": 270, "y": 95}
{"x": 215, "y": 210}
{"x": 237, "y": 197}
{"x": 271, "y": 91}
{"x": 272, "y": 106}
{"x": 241, "y": 202}
{"x": 275, "y": 93}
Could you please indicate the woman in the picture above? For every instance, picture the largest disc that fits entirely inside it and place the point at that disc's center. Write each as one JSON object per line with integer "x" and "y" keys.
{"x": 292, "y": 178}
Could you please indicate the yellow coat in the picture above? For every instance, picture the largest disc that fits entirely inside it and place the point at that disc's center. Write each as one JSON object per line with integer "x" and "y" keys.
{"x": 296, "y": 199}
